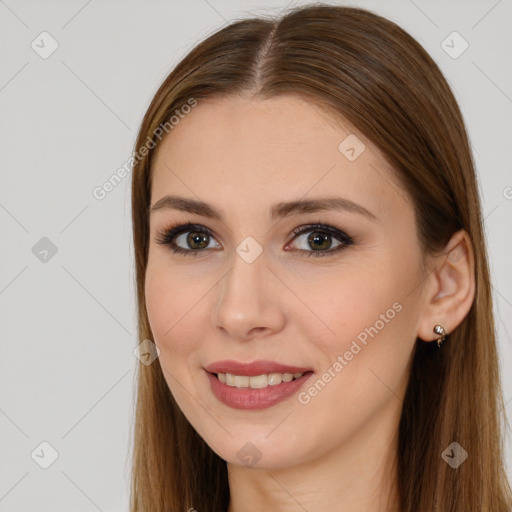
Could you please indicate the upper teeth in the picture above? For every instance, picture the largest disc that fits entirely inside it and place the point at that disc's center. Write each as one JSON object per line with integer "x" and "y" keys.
{"x": 258, "y": 381}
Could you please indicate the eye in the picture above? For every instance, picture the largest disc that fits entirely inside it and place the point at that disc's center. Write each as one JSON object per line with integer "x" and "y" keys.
{"x": 193, "y": 237}
{"x": 320, "y": 238}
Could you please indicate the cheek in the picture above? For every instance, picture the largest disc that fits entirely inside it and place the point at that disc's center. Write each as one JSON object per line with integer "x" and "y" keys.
{"x": 346, "y": 304}
{"x": 363, "y": 370}
{"x": 172, "y": 312}
{"x": 170, "y": 303}
{"x": 363, "y": 325}
{"x": 365, "y": 355}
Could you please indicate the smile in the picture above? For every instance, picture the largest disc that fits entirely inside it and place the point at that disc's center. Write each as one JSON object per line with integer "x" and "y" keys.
{"x": 262, "y": 391}
{"x": 258, "y": 381}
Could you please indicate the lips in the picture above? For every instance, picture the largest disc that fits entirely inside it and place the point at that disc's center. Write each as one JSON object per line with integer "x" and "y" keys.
{"x": 247, "y": 397}
{"x": 252, "y": 369}
{"x": 254, "y": 399}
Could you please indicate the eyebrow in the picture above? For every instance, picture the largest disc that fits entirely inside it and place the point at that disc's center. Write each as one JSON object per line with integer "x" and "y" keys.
{"x": 279, "y": 210}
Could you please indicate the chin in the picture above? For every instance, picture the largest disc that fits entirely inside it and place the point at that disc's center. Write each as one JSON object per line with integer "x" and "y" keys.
{"x": 254, "y": 450}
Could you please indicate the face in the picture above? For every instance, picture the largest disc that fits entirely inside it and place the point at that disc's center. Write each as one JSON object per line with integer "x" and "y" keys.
{"x": 329, "y": 289}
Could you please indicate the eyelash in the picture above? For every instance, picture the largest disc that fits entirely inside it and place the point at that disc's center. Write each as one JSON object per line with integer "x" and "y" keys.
{"x": 167, "y": 235}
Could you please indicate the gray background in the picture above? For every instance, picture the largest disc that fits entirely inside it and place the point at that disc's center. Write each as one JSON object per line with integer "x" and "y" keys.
{"x": 67, "y": 123}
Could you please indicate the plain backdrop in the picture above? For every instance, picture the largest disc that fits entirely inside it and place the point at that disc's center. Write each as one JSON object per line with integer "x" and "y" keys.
{"x": 68, "y": 121}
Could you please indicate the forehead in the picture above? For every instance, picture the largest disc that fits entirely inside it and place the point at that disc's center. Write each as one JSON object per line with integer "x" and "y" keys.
{"x": 242, "y": 153}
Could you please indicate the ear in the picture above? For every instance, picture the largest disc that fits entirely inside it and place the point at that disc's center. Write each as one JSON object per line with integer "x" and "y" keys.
{"x": 450, "y": 287}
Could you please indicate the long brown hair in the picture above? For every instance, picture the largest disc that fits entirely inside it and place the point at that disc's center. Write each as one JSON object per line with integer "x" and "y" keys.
{"x": 364, "y": 68}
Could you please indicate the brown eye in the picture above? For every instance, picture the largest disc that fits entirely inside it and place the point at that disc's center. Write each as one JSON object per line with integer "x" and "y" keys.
{"x": 186, "y": 238}
{"x": 320, "y": 239}
{"x": 193, "y": 238}
{"x": 196, "y": 240}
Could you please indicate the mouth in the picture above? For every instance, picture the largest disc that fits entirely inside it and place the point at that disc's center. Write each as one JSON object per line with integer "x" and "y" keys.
{"x": 257, "y": 385}
{"x": 253, "y": 369}
{"x": 257, "y": 381}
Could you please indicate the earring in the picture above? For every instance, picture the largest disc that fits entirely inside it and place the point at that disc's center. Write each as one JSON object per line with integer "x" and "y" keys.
{"x": 439, "y": 329}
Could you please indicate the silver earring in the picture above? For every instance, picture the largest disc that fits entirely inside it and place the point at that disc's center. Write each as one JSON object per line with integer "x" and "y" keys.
{"x": 439, "y": 329}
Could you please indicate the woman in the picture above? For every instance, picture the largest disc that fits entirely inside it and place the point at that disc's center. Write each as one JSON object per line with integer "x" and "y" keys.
{"x": 311, "y": 267}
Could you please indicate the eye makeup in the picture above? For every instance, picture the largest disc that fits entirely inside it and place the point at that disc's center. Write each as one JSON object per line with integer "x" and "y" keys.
{"x": 199, "y": 235}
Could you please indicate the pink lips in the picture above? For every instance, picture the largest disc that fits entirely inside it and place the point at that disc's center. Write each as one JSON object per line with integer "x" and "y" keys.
{"x": 249, "y": 398}
{"x": 251, "y": 369}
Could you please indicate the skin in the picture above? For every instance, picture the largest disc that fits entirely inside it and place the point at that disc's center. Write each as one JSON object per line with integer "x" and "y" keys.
{"x": 243, "y": 156}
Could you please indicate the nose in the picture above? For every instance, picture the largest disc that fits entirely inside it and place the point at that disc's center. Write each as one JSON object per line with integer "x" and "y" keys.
{"x": 250, "y": 301}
